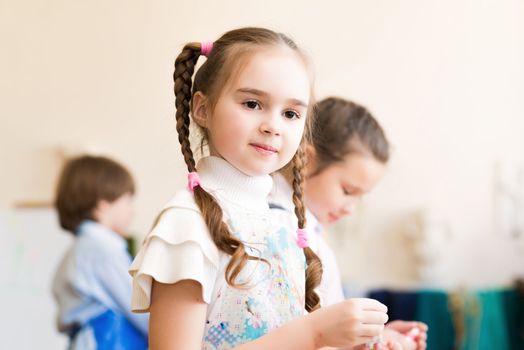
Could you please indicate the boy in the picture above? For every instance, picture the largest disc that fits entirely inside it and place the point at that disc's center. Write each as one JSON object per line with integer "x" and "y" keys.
{"x": 91, "y": 285}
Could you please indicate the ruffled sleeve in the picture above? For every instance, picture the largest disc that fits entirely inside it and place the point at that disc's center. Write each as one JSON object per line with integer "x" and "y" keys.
{"x": 179, "y": 247}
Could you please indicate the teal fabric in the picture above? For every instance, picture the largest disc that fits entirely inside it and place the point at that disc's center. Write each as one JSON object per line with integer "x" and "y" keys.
{"x": 513, "y": 305}
{"x": 490, "y": 319}
{"x": 470, "y": 316}
{"x": 433, "y": 309}
{"x": 493, "y": 326}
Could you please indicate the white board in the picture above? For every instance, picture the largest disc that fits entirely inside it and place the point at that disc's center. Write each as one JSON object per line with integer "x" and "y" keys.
{"x": 32, "y": 244}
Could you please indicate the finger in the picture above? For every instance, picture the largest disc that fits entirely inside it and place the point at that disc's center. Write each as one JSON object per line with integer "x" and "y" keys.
{"x": 422, "y": 326}
{"x": 421, "y": 345}
{"x": 374, "y": 317}
{"x": 393, "y": 345}
{"x": 370, "y": 330}
{"x": 363, "y": 341}
{"x": 371, "y": 304}
{"x": 422, "y": 336}
{"x": 380, "y": 346}
{"x": 403, "y": 326}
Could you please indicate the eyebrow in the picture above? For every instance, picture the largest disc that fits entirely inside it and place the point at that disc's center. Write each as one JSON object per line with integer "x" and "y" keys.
{"x": 261, "y": 93}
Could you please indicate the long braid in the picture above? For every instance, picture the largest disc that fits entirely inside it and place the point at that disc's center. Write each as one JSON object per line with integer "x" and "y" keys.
{"x": 184, "y": 68}
{"x": 314, "y": 265}
{"x": 210, "y": 209}
{"x": 208, "y": 80}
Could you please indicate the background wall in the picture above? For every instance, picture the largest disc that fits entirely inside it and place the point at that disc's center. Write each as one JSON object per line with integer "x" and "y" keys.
{"x": 445, "y": 78}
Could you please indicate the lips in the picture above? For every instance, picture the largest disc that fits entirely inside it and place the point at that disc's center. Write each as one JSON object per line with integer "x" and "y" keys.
{"x": 333, "y": 217}
{"x": 264, "y": 149}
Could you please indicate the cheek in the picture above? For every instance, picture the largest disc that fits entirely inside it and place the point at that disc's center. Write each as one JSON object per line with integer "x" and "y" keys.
{"x": 240, "y": 127}
{"x": 129, "y": 214}
{"x": 331, "y": 194}
{"x": 297, "y": 132}
{"x": 227, "y": 128}
{"x": 327, "y": 194}
{"x": 293, "y": 137}
{"x": 126, "y": 214}
{"x": 315, "y": 195}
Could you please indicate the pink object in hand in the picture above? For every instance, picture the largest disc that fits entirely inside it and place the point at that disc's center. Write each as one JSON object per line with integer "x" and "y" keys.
{"x": 193, "y": 180}
{"x": 302, "y": 240}
{"x": 413, "y": 333}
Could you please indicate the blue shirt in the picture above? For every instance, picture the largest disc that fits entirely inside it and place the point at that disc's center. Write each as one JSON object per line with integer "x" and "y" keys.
{"x": 92, "y": 278}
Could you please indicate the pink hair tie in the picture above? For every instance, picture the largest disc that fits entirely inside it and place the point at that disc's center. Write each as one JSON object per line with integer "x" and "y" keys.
{"x": 206, "y": 47}
{"x": 302, "y": 238}
{"x": 193, "y": 180}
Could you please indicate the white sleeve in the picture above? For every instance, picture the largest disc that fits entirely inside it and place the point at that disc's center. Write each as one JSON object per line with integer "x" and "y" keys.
{"x": 179, "y": 247}
{"x": 330, "y": 288}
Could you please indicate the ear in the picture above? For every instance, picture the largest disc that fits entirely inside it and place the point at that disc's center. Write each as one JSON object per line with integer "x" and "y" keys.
{"x": 200, "y": 109}
{"x": 100, "y": 209}
{"x": 311, "y": 164}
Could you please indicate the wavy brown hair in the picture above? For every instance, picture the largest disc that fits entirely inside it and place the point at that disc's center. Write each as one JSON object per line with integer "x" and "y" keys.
{"x": 342, "y": 127}
{"x": 226, "y": 57}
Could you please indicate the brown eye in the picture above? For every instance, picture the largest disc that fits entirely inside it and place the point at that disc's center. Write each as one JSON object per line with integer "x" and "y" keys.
{"x": 252, "y": 104}
{"x": 291, "y": 115}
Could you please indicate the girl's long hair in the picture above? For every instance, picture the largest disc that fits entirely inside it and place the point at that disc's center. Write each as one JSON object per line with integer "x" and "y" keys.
{"x": 225, "y": 56}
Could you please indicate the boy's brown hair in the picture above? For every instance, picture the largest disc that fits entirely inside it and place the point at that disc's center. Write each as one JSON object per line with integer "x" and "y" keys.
{"x": 84, "y": 181}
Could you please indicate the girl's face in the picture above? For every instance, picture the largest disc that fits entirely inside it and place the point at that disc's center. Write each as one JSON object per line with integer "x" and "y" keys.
{"x": 334, "y": 192}
{"x": 259, "y": 118}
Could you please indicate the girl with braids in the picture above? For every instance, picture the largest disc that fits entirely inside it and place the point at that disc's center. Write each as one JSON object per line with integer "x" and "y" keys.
{"x": 219, "y": 270}
{"x": 347, "y": 154}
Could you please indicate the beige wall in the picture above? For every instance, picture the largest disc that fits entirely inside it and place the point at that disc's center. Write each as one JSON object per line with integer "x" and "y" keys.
{"x": 445, "y": 78}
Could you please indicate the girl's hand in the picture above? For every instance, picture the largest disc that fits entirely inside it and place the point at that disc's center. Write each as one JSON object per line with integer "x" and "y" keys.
{"x": 384, "y": 345}
{"x": 391, "y": 345}
{"x": 411, "y": 335}
{"x": 349, "y": 323}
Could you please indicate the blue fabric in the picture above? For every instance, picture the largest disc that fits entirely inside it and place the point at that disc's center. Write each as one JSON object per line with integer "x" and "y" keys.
{"x": 114, "y": 332}
{"x": 401, "y": 305}
{"x": 430, "y": 307}
{"x": 93, "y": 278}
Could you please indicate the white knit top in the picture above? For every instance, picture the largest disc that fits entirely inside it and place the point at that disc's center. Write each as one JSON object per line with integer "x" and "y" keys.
{"x": 180, "y": 247}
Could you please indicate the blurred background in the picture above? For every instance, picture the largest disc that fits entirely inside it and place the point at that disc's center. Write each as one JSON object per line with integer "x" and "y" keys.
{"x": 444, "y": 78}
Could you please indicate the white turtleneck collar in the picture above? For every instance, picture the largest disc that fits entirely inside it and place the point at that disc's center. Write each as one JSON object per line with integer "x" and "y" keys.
{"x": 282, "y": 195}
{"x": 221, "y": 178}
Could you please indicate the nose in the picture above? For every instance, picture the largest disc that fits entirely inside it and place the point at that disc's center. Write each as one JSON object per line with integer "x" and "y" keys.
{"x": 349, "y": 206}
{"x": 270, "y": 125}
{"x": 346, "y": 210}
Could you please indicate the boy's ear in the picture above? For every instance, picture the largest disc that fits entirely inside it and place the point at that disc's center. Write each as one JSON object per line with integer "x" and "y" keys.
{"x": 100, "y": 209}
{"x": 200, "y": 108}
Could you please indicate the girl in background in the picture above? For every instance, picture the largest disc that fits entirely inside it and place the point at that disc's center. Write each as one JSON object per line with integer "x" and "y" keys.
{"x": 218, "y": 271}
{"x": 347, "y": 155}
